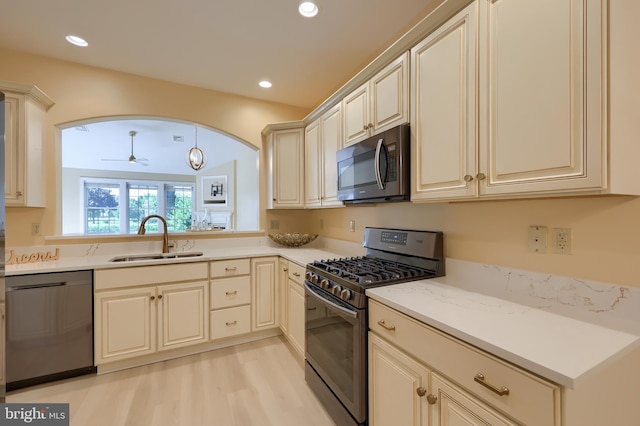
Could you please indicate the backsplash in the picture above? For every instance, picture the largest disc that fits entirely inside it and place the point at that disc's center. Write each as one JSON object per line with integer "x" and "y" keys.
{"x": 592, "y": 301}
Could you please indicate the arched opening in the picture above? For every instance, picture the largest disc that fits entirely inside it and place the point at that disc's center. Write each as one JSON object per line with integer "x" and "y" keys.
{"x": 115, "y": 171}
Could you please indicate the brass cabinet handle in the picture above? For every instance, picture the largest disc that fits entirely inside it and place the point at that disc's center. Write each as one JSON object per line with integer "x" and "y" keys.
{"x": 153, "y": 298}
{"x": 503, "y": 390}
{"x": 421, "y": 391}
{"x": 432, "y": 399}
{"x": 382, "y": 324}
{"x": 231, "y": 323}
{"x": 285, "y": 269}
{"x": 312, "y": 308}
{"x": 19, "y": 193}
{"x": 231, "y": 293}
{"x": 159, "y": 296}
{"x": 296, "y": 274}
{"x": 231, "y": 269}
{"x": 481, "y": 176}
{"x": 468, "y": 178}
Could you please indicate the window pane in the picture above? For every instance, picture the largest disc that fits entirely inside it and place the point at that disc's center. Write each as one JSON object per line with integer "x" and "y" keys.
{"x": 143, "y": 201}
{"x": 178, "y": 206}
{"x": 102, "y": 210}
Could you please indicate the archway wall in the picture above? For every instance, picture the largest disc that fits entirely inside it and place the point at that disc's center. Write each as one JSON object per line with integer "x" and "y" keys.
{"x": 82, "y": 92}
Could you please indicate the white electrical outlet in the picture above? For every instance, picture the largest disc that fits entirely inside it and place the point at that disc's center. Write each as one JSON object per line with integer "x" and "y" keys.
{"x": 537, "y": 241}
{"x": 561, "y": 239}
{"x": 352, "y": 225}
{"x": 35, "y": 229}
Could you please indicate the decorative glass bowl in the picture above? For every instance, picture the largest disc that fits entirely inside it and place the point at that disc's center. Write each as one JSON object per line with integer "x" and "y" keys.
{"x": 292, "y": 239}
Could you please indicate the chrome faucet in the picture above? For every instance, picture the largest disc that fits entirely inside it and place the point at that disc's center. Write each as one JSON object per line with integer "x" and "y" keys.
{"x": 142, "y": 230}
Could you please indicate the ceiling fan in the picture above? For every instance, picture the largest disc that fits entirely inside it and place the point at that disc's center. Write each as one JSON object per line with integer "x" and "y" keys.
{"x": 132, "y": 158}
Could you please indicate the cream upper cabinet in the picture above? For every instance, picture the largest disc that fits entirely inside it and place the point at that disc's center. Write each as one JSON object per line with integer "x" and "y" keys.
{"x": 264, "y": 288}
{"x": 443, "y": 110}
{"x": 540, "y": 97}
{"x": 25, "y": 112}
{"x": 286, "y": 168}
{"x": 379, "y": 104}
{"x": 541, "y": 126}
{"x": 323, "y": 138}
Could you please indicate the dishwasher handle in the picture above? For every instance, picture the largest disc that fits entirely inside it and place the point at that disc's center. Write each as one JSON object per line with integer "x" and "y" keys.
{"x": 45, "y": 285}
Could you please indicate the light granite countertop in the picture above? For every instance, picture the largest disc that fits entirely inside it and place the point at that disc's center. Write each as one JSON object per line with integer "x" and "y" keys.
{"x": 556, "y": 346}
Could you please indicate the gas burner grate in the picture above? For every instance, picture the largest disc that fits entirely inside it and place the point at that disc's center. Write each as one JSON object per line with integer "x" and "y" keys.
{"x": 370, "y": 270}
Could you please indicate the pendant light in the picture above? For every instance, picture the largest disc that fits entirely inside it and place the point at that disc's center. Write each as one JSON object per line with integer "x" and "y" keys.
{"x": 196, "y": 158}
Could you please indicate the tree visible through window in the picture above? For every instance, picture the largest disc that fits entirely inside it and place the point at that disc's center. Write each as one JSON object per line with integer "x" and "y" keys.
{"x": 104, "y": 198}
{"x": 102, "y": 208}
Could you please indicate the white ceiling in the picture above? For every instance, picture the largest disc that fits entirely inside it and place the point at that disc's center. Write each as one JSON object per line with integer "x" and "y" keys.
{"x": 225, "y": 45}
{"x": 107, "y": 146}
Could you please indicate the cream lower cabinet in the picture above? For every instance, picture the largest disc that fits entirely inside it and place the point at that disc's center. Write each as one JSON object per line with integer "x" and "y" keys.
{"x": 134, "y": 318}
{"x": 3, "y": 324}
{"x": 230, "y": 298}
{"x": 294, "y": 316}
{"x": 140, "y": 321}
{"x": 408, "y": 363}
{"x": 283, "y": 285}
{"x": 264, "y": 287}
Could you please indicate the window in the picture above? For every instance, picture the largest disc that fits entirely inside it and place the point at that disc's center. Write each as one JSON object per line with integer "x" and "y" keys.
{"x": 104, "y": 198}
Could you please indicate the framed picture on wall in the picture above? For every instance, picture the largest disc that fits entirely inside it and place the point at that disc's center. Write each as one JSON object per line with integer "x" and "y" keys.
{"x": 215, "y": 191}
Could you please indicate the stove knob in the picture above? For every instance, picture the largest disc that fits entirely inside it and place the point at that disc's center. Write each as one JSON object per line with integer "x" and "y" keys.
{"x": 308, "y": 275}
{"x": 345, "y": 294}
{"x": 324, "y": 283}
{"x": 312, "y": 277}
{"x": 335, "y": 290}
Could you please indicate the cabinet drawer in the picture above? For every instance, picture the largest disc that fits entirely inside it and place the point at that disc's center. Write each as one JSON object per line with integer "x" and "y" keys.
{"x": 230, "y": 322}
{"x": 227, "y": 292}
{"x": 531, "y": 400}
{"x": 230, "y": 268}
{"x": 296, "y": 272}
{"x": 144, "y": 275}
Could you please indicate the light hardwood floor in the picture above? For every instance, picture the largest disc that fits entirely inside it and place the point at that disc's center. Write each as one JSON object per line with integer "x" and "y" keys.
{"x": 258, "y": 383}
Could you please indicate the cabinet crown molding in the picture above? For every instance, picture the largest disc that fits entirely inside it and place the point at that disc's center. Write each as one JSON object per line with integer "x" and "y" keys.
{"x": 27, "y": 89}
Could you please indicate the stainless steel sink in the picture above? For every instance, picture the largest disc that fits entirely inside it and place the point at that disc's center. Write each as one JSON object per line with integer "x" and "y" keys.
{"x": 155, "y": 256}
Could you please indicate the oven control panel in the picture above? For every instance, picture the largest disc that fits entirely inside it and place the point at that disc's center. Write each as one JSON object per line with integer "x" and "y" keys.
{"x": 394, "y": 237}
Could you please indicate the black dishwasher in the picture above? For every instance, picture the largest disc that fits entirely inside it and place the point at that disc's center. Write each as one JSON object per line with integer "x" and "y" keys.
{"x": 49, "y": 327}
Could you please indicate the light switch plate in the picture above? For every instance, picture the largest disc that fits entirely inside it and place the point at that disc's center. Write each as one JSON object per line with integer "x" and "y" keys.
{"x": 537, "y": 241}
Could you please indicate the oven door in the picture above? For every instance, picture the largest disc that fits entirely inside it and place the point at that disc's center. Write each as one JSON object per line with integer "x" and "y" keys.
{"x": 336, "y": 347}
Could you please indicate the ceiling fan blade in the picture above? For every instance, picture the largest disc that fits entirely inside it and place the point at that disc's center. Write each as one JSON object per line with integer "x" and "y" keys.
{"x": 112, "y": 159}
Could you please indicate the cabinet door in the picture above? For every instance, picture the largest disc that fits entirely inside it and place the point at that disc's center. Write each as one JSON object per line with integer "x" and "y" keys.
{"x": 395, "y": 381}
{"x": 14, "y": 152}
{"x": 283, "y": 282}
{"x": 263, "y": 278}
{"x": 539, "y": 78}
{"x": 287, "y": 174}
{"x": 183, "y": 314}
{"x": 443, "y": 122}
{"x": 390, "y": 95}
{"x": 295, "y": 316}
{"x": 125, "y": 324}
{"x": 312, "y": 164}
{"x": 356, "y": 115}
{"x": 331, "y": 142}
{"x": 456, "y": 407}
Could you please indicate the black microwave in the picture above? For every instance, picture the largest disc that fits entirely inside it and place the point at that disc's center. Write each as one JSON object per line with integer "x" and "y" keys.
{"x": 376, "y": 169}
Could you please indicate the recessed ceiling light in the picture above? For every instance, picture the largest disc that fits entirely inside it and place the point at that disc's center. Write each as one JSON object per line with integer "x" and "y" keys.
{"x": 77, "y": 41}
{"x": 264, "y": 83}
{"x": 308, "y": 9}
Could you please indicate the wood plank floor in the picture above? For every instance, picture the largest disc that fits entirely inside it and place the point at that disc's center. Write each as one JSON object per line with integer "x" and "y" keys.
{"x": 258, "y": 383}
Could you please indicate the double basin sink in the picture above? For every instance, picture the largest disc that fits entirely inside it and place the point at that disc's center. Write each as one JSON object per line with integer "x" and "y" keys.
{"x": 155, "y": 256}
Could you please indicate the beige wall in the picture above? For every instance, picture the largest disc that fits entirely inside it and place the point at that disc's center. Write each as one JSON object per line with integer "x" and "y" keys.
{"x": 82, "y": 92}
{"x": 606, "y": 231}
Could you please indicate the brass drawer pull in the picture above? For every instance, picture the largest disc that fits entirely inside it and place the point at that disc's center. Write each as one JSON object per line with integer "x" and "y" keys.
{"x": 502, "y": 391}
{"x": 296, "y": 274}
{"x": 232, "y": 323}
{"x": 230, "y": 269}
{"x": 382, "y": 324}
{"x": 153, "y": 298}
{"x": 231, "y": 293}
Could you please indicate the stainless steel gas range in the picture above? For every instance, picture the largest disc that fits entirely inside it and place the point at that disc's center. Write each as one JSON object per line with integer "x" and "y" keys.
{"x": 336, "y": 312}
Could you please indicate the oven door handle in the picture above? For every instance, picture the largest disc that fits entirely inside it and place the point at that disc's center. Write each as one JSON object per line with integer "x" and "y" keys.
{"x": 350, "y": 313}
{"x": 377, "y": 163}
